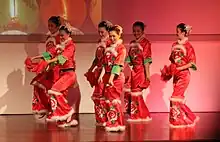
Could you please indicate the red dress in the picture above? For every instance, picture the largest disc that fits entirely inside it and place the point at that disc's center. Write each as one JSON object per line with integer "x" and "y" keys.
{"x": 182, "y": 54}
{"x": 113, "y": 63}
{"x": 139, "y": 54}
{"x": 92, "y": 77}
{"x": 43, "y": 81}
{"x": 61, "y": 111}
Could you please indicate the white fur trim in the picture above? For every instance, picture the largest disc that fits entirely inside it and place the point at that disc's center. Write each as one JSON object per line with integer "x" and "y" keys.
{"x": 112, "y": 50}
{"x": 116, "y": 101}
{"x": 180, "y": 47}
{"x": 107, "y": 101}
{"x": 51, "y": 39}
{"x": 69, "y": 124}
{"x": 64, "y": 117}
{"x": 177, "y": 59}
{"x": 113, "y": 46}
{"x": 136, "y": 93}
{"x": 54, "y": 92}
{"x": 115, "y": 129}
{"x": 140, "y": 119}
{"x": 66, "y": 41}
{"x": 136, "y": 44}
{"x": 122, "y": 128}
{"x": 62, "y": 45}
{"x": 126, "y": 89}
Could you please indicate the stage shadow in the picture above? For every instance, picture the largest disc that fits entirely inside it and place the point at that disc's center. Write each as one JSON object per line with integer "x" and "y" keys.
{"x": 13, "y": 100}
{"x": 154, "y": 100}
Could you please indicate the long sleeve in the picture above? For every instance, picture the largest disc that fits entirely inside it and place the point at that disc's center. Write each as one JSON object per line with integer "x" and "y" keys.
{"x": 147, "y": 52}
{"x": 68, "y": 53}
{"x": 191, "y": 57}
{"x": 119, "y": 61}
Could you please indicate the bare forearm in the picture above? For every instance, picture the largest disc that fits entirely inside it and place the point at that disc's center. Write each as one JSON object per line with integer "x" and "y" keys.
{"x": 147, "y": 71}
{"x": 102, "y": 73}
{"x": 37, "y": 57}
{"x": 112, "y": 76}
{"x": 52, "y": 60}
{"x": 93, "y": 65}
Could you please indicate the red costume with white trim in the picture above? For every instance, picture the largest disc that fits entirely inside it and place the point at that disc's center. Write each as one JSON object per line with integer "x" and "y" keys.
{"x": 113, "y": 64}
{"x": 139, "y": 54}
{"x": 61, "y": 111}
{"x": 181, "y": 55}
{"x": 44, "y": 80}
{"x": 92, "y": 77}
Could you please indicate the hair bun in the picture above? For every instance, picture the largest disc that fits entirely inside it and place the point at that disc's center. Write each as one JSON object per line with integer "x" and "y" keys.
{"x": 119, "y": 28}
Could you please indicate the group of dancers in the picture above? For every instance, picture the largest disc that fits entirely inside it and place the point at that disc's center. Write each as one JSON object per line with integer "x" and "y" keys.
{"x": 55, "y": 74}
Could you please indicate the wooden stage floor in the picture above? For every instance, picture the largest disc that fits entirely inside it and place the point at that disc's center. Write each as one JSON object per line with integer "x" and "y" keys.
{"x": 24, "y": 128}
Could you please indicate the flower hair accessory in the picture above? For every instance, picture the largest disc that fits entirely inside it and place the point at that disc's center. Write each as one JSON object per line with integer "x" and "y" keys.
{"x": 120, "y": 29}
{"x": 71, "y": 29}
{"x": 188, "y": 29}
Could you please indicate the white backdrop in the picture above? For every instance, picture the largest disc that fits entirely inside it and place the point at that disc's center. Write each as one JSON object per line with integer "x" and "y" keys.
{"x": 202, "y": 94}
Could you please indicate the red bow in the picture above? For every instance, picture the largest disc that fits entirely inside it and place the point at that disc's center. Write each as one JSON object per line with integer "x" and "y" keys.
{"x": 40, "y": 67}
{"x": 29, "y": 64}
{"x": 91, "y": 78}
{"x": 168, "y": 71}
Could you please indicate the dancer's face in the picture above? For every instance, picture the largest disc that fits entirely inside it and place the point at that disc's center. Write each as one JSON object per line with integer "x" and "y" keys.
{"x": 137, "y": 32}
{"x": 180, "y": 34}
{"x": 52, "y": 27}
{"x": 103, "y": 33}
{"x": 114, "y": 37}
{"x": 63, "y": 36}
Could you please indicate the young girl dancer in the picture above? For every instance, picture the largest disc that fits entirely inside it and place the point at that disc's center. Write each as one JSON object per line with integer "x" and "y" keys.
{"x": 92, "y": 76}
{"x": 65, "y": 60}
{"x": 113, "y": 78}
{"x": 182, "y": 59}
{"x": 43, "y": 81}
{"x": 139, "y": 59}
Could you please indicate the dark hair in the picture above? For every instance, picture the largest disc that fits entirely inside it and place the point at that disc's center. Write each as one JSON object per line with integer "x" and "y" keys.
{"x": 118, "y": 29}
{"x": 139, "y": 24}
{"x": 55, "y": 20}
{"x": 133, "y": 41}
{"x": 64, "y": 28}
{"x": 105, "y": 24}
{"x": 184, "y": 28}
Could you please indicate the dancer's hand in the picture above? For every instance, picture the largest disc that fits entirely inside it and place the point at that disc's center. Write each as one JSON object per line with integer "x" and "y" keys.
{"x": 110, "y": 82}
{"x": 147, "y": 78}
{"x": 100, "y": 80}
